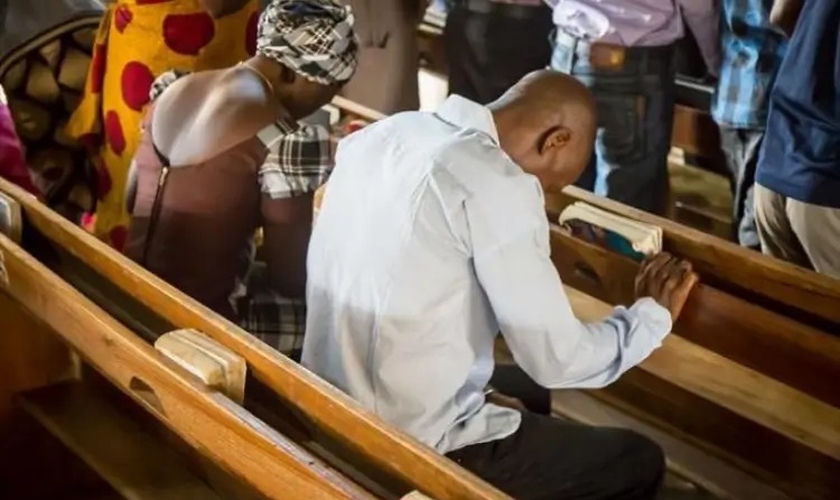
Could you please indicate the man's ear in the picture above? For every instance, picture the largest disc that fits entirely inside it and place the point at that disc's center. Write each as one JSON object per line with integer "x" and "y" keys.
{"x": 555, "y": 138}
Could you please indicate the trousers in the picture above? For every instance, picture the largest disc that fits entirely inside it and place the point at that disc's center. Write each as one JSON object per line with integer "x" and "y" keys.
{"x": 552, "y": 459}
{"x": 491, "y": 45}
{"x": 634, "y": 91}
{"x": 741, "y": 147}
{"x": 802, "y": 233}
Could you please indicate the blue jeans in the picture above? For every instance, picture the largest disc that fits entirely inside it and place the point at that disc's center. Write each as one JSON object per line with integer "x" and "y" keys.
{"x": 634, "y": 91}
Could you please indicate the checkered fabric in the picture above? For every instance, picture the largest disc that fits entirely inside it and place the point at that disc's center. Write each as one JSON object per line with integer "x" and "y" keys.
{"x": 278, "y": 321}
{"x": 314, "y": 38}
{"x": 163, "y": 81}
{"x": 752, "y": 54}
{"x": 298, "y": 162}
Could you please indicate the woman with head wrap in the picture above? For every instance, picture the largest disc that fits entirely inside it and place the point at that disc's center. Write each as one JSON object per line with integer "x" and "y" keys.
{"x": 221, "y": 154}
{"x": 137, "y": 41}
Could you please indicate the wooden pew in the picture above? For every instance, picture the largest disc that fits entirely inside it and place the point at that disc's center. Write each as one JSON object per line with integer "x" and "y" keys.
{"x": 729, "y": 429}
{"x": 380, "y": 454}
{"x": 132, "y": 463}
{"x": 769, "y": 428}
{"x": 794, "y": 291}
{"x": 759, "y": 338}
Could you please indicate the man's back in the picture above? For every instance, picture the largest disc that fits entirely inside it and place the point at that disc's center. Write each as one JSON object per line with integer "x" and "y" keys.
{"x": 396, "y": 315}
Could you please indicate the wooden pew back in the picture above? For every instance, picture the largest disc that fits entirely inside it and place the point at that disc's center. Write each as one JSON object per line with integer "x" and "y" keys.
{"x": 809, "y": 296}
{"x": 769, "y": 428}
{"x": 759, "y": 338}
{"x": 396, "y": 456}
{"x": 207, "y": 420}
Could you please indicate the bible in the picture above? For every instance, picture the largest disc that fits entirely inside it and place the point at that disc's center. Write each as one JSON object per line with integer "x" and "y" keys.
{"x": 628, "y": 237}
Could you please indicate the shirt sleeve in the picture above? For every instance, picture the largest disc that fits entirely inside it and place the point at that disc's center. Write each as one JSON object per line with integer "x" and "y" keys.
{"x": 297, "y": 163}
{"x": 536, "y": 319}
{"x": 703, "y": 19}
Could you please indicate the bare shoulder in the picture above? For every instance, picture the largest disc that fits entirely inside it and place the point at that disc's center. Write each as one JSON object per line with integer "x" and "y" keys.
{"x": 206, "y": 113}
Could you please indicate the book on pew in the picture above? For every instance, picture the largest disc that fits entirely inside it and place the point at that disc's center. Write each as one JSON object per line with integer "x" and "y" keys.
{"x": 619, "y": 234}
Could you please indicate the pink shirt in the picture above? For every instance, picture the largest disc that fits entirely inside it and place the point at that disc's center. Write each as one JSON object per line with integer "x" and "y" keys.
{"x": 12, "y": 162}
{"x": 635, "y": 23}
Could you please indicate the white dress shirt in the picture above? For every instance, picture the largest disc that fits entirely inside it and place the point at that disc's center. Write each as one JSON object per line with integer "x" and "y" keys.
{"x": 430, "y": 240}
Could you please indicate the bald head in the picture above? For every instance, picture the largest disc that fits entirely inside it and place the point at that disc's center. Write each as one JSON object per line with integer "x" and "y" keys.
{"x": 546, "y": 123}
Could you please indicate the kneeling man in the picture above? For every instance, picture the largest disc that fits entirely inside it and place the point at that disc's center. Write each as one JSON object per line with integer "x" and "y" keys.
{"x": 432, "y": 237}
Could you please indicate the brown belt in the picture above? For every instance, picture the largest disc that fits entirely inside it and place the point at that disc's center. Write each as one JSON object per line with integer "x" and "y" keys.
{"x": 607, "y": 55}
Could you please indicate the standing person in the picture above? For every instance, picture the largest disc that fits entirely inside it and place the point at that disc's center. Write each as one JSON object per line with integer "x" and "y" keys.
{"x": 491, "y": 44}
{"x": 12, "y": 161}
{"x": 45, "y": 51}
{"x": 137, "y": 41}
{"x": 389, "y": 58}
{"x": 797, "y": 194}
{"x": 431, "y": 239}
{"x": 752, "y": 53}
{"x": 623, "y": 50}
{"x": 221, "y": 154}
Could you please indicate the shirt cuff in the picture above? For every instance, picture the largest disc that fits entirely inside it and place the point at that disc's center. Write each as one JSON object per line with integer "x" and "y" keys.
{"x": 650, "y": 313}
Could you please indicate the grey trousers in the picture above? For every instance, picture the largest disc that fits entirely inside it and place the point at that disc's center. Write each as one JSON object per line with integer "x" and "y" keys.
{"x": 741, "y": 147}
{"x": 801, "y": 233}
{"x": 389, "y": 58}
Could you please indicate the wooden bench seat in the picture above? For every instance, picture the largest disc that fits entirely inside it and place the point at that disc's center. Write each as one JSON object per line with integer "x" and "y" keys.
{"x": 328, "y": 414}
{"x": 135, "y": 463}
{"x": 272, "y": 465}
{"x": 726, "y": 405}
{"x": 701, "y": 405}
{"x": 685, "y": 459}
{"x": 757, "y": 337}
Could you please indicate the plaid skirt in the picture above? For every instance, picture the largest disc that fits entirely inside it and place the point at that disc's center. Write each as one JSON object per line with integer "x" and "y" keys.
{"x": 276, "y": 320}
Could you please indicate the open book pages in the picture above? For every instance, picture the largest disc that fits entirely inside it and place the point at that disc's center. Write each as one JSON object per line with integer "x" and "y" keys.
{"x": 614, "y": 232}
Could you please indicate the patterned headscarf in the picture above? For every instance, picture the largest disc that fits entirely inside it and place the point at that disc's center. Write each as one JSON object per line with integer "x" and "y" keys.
{"x": 312, "y": 37}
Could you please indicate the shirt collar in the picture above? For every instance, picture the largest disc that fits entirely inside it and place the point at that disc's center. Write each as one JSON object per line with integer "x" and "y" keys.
{"x": 467, "y": 114}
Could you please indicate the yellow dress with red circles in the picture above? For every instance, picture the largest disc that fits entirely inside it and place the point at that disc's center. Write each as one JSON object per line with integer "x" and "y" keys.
{"x": 137, "y": 41}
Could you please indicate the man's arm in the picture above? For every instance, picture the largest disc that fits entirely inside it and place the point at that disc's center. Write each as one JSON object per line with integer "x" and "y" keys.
{"x": 703, "y": 19}
{"x": 545, "y": 337}
{"x": 785, "y": 13}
